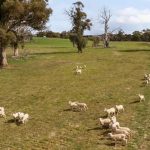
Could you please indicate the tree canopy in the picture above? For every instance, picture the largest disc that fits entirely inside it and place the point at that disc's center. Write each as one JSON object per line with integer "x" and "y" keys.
{"x": 16, "y": 13}
{"x": 80, "y": 23}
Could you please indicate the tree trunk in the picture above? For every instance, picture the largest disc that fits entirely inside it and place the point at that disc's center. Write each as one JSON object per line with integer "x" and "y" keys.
{"x": 16, "y": 52}
{"x": 3, "y": 57}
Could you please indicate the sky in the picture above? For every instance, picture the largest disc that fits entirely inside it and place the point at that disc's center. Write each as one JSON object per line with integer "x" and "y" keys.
{"x": 128, "y": 15}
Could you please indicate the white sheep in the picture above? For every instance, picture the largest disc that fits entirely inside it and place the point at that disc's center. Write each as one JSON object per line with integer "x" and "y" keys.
{"x": 105, "y": 122}
{"x": 73, "y": 105}
{"x": 118, "y": 137}
{"x": 119, "y": 108}
{"x": 25, "y": 118}
{"x": 20, "y": 117}
{"x": 82, "y": 106}
{"x": 113, "y": 126}
{"x": 110, "y": 111}
{"x": 124, "y": 128}
{"x": 2, "y": 112}
{"x": 78, "y": 70}
{"x": 113, "y": 119}
{"x": 141, "y": 97}
{"x": 120, "y": 131}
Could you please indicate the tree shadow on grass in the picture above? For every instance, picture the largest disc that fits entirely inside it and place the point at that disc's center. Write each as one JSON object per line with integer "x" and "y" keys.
{"x": 134, "y": 50}
{"x": 54, "y": 53}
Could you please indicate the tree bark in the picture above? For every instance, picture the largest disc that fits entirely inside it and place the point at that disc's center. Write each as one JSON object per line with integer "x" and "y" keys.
{"x": 3, "y": 57}
{"x": 16, "y": 52}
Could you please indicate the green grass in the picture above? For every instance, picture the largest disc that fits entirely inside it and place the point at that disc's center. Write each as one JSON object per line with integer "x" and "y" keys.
{"x": 44, "y": 82}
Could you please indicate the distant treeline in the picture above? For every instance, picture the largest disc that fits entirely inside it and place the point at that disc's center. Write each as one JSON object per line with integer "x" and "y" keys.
{"x": 143, "y": 35}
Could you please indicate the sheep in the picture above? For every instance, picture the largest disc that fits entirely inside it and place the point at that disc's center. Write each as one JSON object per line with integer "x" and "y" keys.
{"x": 119, "y": 108}
{"x": 2, "y": 112}
{"x": 124, "y": 128}
{"x": 120, "y": 131}
{"x": 25, "y": 118}
{"x": 82, "y": 67}
{"x": 141, "y": 97}
{"x": 105, "y": 122}
{"x": 78, "y": 70}
{"x": 113, "y": 126}
{"x": 113, "y": 119}
{"x": 82, "y": 106}
{"x": 118, "y": 137}
{"x": 20, "y": 117}
{"x": 146, "y": 81}
{"x": 73, "y": 105}
{"x": 146, "y": 76}
{"x": 110, "y": 111}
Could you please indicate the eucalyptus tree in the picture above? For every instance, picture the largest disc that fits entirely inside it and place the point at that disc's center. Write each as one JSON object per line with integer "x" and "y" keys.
{"x": 80, "y": 23}
{"x": 16, "y": 13}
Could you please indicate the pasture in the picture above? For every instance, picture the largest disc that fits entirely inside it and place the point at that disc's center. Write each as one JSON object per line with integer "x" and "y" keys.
{"x": 42, "y": 83}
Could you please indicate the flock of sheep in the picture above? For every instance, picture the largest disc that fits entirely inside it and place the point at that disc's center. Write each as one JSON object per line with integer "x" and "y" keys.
{"x": 117, "y": 133}
{"x": 19, "y": 117}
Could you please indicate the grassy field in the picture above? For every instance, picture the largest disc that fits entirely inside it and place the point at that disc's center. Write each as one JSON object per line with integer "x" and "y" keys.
{"x": 43, "y": 83}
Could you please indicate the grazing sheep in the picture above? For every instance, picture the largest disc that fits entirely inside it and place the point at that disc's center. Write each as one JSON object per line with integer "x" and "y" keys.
{"x": 105, "y": 122}
{"x": 73, "y": 105}
{"x": 141, "y": 97}
{"x": 118, "y": 137}
{"x": 119, "y": 108}
{"x": 2, "y": 112}
{"x": 82, "y": 106}
{"x": 110, "y": 111}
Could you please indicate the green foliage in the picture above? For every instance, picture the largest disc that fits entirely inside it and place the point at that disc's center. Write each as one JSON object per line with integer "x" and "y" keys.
{"x": 80, "y": 23}
{"x": 96, "y": 41}
{"x": 6, "y": 37}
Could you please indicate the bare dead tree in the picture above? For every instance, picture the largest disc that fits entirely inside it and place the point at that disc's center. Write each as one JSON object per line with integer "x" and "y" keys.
{"x": 105, "y": 17}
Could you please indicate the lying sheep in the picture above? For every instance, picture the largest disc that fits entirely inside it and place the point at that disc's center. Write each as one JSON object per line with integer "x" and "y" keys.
{"x": 2, "y": 112}
{"x": 119, "y": 108}
{"x": 105, "y": 122}
{"x": 118, "y": 137}
{"x": 141, "y": 97}
{"x": 110, "y": 112}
